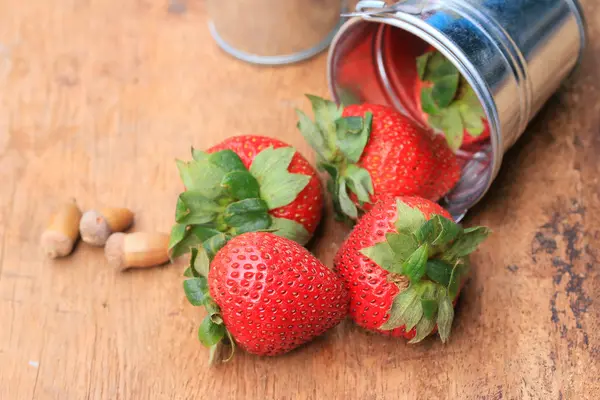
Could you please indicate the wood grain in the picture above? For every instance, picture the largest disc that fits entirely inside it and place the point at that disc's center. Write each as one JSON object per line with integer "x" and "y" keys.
{"x": 97, "y": 98}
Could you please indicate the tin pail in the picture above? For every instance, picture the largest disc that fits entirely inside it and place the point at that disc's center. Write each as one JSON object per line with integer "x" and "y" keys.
{"x": 513, "y": 53}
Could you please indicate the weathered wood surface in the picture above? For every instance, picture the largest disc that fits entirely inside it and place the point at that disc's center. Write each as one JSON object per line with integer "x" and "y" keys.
{"x": 97, "y": 98}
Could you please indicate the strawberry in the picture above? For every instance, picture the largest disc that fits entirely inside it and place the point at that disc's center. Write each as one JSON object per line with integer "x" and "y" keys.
{"x": 265, "y": 294}
{"x": 244, "y": 184}
{"x": 372, "y": 151}
{"x": 404, "y": 264}
{"x": 448, "y": 102}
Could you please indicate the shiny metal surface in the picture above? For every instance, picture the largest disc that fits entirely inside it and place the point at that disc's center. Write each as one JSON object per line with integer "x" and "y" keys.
{"x": 514, "y": 53}
{"x": 274, "y": 32}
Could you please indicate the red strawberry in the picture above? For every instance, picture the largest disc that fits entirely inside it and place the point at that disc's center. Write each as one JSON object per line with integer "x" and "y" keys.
{"x": 246, "y": 184}
{"x": 372, "y": 151}
{"x": 404, "y": 264}
{"x": 447, "y": 101}
{"x": 306, "y": 209}
{"x": 267, "y": 294}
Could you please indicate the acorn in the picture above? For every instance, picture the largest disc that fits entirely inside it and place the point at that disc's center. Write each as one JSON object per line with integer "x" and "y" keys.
{"x": 63, "y": 231}
{"x": 137, "y": 250}
{"x": 96, "y": 226}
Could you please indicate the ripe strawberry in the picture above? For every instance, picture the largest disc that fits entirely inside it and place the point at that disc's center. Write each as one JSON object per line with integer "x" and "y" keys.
{"x": 246, "y": 184}
{"x": 448, "y": 102}
{"x": 372, "y": 151}
{"x": 404, "y": 264}
{"x": 267, "y": 294}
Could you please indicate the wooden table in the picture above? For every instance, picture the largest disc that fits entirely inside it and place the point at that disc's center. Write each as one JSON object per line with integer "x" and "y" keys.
{"x": 97, "y": 99}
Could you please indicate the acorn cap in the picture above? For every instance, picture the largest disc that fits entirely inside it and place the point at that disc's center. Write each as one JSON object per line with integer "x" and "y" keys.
{"x": 56, "y": 244}
{"x": 137, "y": 250}
{"x": 94, "y": 228}
{"x": 114, "y": 251}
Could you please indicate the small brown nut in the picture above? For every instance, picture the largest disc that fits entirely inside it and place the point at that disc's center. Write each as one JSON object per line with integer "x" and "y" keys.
{"x": 62, "y": 232}
{"x": 96, "y": 226}
{"x": 137, "y": 250}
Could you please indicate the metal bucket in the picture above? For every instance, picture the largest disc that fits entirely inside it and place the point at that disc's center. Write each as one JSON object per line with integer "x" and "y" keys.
{"x": 513, "y": 53}
{"x": 274, "y": 32}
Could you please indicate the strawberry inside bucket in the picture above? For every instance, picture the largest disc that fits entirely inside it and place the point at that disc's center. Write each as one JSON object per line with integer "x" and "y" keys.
{"x": 380, "y": 63}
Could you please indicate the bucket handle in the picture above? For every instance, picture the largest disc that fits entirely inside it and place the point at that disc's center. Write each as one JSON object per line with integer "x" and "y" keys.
{"x": 376, "y": 7}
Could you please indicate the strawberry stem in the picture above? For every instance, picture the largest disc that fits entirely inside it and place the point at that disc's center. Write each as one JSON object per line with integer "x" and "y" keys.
{"x": 339, "y": 142}
{"x": 433, "y": 254}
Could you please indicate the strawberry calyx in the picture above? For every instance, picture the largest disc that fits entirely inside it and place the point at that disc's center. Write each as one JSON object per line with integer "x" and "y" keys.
{"x": 224, "y": 199}
{"x": 449, "y": 101}
{"x": 339, "y": 142}
{"x": 433, "y": 255}
{"x": 212, "y": 332}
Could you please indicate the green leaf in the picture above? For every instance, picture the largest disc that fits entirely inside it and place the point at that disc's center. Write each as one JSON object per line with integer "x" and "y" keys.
{"x": 350, "y": 141}
{"x": 331, "y": 169}
{"x": 200, "y": 261}
{"x": 439, "y": 271}
{"x": 472, "y": 121}
{"x": 468, "y": 242}
{"x": 326, "y": 113}
{"x": 214, "y": 244}
{"x": 189, "y": 272}
{"x": 202, "y": 177}
{"x": 428, "y": 104}
{"x": 424, "y": 328}
{"x": 333, "y": 187}
{"x": 438, "y": 231}
{"x": 186, "y": 174}
{"x": 184, "y": 245}
{"x": 430, "y": 307}
{"x": 444, "y": 89}
{"x": 270, "y": 160}
{"x": 227, "y": 160}
{"x": 195, "y": 290}
{"x": 242, "y": 207}
{"x": 241, "y": 185}
{"x": 445, "y": 230}
{"x": 409, "y": 219}
{"x": 445, "y": 317}
{"x": 426, "y": 233}
{"x": 455, "y": 280}
{"x": 178, "y": 232}
{"x": 402, "y": 302}
{"x": 453, "y": 127}
{"x": 470, "y": 99}
{"x": 422, "y": 64}
{"x": 352, "y": 124}
{"x": 436, "y": 121}
{"x": 413, "y": 314}
{"x": 194, "y": 208}
{"x": 439, "y": 67}
{"x": 313, "y": 135}
{"x": 278, "y": 187}
{"x": 381, "y": 254}
{"x": 203, "y": 232}
{"x": 359, "y": 182}
{"x": 210, "y": 333}
{"x": 347, "y": 206}
{"x": 281, "y": 189}
{"x": 290, "y": 229}
{"x": 199, "y": 155}
{"x": 248, "y": 215}
{"x": 402, "y": 245}
{"x": 414, "y": 268}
